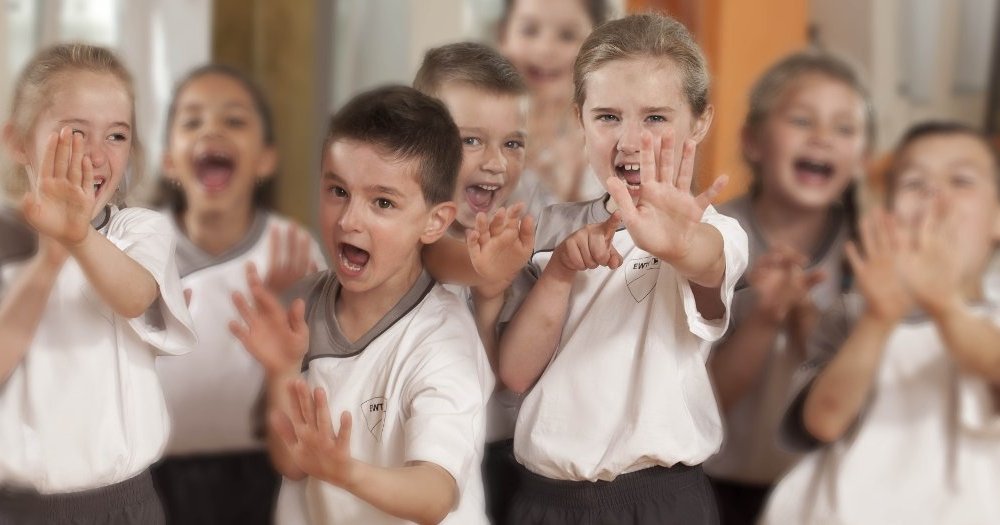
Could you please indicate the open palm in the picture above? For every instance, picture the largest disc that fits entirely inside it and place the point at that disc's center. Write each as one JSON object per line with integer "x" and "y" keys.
{"x": 61, "y": 203}
{"x": 664, "y": 220}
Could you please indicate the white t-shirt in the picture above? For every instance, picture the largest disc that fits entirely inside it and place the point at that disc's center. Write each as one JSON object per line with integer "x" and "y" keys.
{"x": 627, "y": 388}
{"x": 925, "y": 450}
{"x": 750, "y": 452}
{"x": 84, "y": 407}
{"x": 213, "y": 393}
{"x": 501, "y": 409}
{"x": 416, "y": 386}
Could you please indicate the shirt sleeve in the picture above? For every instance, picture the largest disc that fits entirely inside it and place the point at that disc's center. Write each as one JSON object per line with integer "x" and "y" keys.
{"x": 736, "y": 253}
{"x": 146, "y": 237}
{"x": 444, "y": 403}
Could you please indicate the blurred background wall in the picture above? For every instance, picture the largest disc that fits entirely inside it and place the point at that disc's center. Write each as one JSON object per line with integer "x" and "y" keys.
{"x": 923, "y": 58}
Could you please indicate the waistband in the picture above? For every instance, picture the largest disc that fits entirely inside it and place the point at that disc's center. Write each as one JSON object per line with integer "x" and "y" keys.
{"x": 624, "y": 490}
{"x": 54, "y": 507}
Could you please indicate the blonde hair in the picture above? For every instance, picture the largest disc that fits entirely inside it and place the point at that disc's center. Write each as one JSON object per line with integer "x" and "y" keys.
{"x": 35, "y": 87}
{"x": 645, "y": 36}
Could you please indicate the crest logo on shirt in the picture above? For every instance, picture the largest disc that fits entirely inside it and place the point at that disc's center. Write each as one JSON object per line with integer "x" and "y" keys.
{"x": 640, "y": 276}
{"x": 374, "y": 412}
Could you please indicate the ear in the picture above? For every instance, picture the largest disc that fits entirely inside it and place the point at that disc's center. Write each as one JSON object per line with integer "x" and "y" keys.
{"x": 752, "y": 150}
{"x": 267, "y": 164}
{"x": 167, "y": 165}
{"x": 439, "y": 218}
{"x": 13, "y": 145}
{"x": 701, "y": 125}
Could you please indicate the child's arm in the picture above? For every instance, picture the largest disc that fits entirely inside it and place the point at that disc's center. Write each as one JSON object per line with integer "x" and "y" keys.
{"x": 778, "y": 284}
{"x": 61, "y": 207}
{"x": 515, "y": 239}
{"x": 23, "y": 305}
{"x": 420, "y": 492}
{"x": 532, "y": 336}
{"x": 841, "y": 389}
{"x": 277, "y": 339}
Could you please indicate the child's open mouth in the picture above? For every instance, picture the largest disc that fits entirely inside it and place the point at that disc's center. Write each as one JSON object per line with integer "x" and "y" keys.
{"x": 98, "y": 185}
{"x": 352, "y": 259}
{"x": 629, "y": 173}
{"x": 214, "y": 170}
{"x": 813, "y": 172}
{"x": 481, "y": 196}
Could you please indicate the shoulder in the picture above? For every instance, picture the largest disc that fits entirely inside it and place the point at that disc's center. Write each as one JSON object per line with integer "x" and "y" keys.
{"x": 310, "y": 288}
{"x": 17, "y": 240}
{"x": 134, "y": 221}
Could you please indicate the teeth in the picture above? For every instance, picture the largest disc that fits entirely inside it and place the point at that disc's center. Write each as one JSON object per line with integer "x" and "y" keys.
{"x": 630, "y": 167}
{"x": 349, "y": 265}
{"x": 484, "y": 187}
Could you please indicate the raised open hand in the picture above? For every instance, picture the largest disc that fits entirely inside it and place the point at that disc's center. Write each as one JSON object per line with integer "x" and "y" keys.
{"x": 877, "y": 273}
{"x": 664, "y": 219}
{"x": 276, "y": 338}
{"x": 61, "y": 202}
{"x": 501, "y": 247}
{"x": 307, "y": 432}
{"x": 290, "y": 259}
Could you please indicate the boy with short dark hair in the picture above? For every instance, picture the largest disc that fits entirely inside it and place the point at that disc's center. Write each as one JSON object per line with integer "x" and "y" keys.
{"x": 381, "y": 345}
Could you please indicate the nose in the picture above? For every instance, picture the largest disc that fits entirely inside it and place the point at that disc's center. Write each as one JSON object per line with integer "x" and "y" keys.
{"x": 94, "y": 147}
{"x": 821, "y": 135}
{"x": 494, "y": 161}
{"x": 630, "y": 140}
{"x": 350, "y": 217}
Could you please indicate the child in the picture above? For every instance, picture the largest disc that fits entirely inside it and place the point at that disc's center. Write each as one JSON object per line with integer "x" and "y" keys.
{"x": 385, "y": 348}
{"x": 542, "y": 38}
{"x": 896, "y": 405}
{"x": 806, "y": 138}
{"x": 220, "y": 151}
{"x": 86, "y": 303}
{"x": 487, "y": 99}
{"x": 610, "y": 344}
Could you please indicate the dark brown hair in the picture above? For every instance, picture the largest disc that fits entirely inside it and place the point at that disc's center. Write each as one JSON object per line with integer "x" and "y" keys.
{"x": 407, "y": 125}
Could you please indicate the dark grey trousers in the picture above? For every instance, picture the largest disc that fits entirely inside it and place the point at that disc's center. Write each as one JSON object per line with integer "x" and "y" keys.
{"x": 131, "y": 502}
{"x": 655, "y": 496}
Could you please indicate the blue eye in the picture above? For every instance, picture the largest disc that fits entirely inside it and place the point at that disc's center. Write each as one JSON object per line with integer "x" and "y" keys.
{"x": 606, "y": 117}
{"x": 656, "y": 118}
{"x": 471, "y": 141}
{"x": 514, "y": 144}
{"x": 385, "y": 204}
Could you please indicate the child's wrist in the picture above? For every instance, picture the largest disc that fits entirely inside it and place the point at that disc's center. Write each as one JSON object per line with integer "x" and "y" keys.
{"x": 943, "y": 308}
{"x": 75, "y": 246}
{"x": 558, "y": 272}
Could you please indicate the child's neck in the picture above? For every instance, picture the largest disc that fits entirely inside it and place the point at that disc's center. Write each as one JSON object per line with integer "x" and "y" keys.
{"x": 797, "y": 227}
{"x": 358, "y": 312}
{"x": 214, "y": 232}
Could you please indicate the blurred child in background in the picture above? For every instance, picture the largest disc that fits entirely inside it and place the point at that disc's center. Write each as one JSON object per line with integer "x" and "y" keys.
{"x": 219, "y": 158}
{"x": 542, "y": 38}
{"x": 898, "y": 401}
{"x": 806, "y": 140}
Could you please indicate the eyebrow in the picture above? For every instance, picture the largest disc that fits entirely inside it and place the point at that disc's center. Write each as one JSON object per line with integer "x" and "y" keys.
{"x": 388, "y": 190}
{"x": 87, "y": 122}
